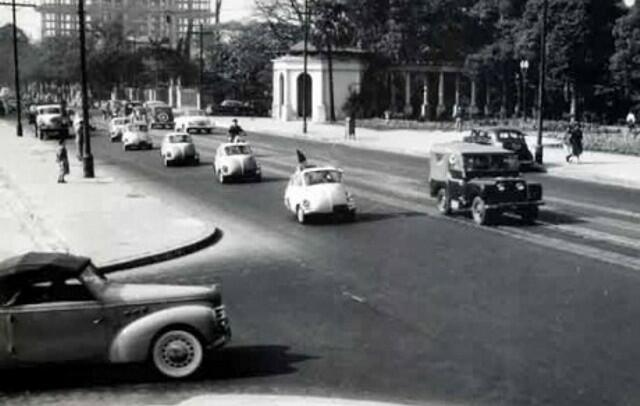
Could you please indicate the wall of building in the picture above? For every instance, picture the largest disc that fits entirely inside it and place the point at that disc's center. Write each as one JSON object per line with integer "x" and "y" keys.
{"x": 347, "y": 77}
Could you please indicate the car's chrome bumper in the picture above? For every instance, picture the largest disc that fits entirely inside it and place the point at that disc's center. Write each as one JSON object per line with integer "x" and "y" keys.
{"x": 514, "y": 205}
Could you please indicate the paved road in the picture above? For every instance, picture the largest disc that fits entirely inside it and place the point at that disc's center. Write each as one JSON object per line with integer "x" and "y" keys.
{"x": 403, "y": 304}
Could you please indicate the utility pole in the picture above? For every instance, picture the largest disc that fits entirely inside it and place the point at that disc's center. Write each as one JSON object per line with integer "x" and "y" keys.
{"x": 541, "y": 83}
{"x": 200, "y": 93}
{"x": 16, "y": 71}
{"x": 87, "y": 158}
{"x": 305, "y": 75}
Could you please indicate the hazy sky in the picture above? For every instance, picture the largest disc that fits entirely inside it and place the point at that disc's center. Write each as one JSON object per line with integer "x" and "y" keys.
{"x": 29, "y": 20}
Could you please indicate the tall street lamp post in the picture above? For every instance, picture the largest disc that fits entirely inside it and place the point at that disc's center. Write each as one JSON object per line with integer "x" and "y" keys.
{"x": 16, "y": 71}
{"x": 524, "y": 67}
{"x": 541, "y": 84}
{"x": 87, "y": 158}
{"x": 305, "y": 63}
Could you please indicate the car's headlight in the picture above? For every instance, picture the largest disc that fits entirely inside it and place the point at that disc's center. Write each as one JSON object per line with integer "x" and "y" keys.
{"x": 520, "y": 186}
{"x": 501, "y": 187}
{"x": 349, "y": 196}
{"x": 225, "y": 169}
{"x": 306, "y": 204}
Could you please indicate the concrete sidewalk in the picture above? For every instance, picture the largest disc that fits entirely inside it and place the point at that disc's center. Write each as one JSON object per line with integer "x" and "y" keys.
{"x": 612, "y": 169}
{"x": 107, "y": 218}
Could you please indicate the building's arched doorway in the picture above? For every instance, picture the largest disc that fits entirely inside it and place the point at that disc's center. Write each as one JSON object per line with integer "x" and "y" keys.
{"x": 304, "y": 100}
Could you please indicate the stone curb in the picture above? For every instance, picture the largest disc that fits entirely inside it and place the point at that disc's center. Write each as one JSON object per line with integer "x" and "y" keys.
{"x": 200, "y": 243}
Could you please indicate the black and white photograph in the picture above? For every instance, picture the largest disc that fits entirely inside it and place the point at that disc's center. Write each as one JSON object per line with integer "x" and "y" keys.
{"x": 320, "y": 202}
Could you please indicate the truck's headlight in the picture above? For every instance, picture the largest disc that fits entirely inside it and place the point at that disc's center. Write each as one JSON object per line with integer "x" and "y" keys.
{"x": 520, "y": 186}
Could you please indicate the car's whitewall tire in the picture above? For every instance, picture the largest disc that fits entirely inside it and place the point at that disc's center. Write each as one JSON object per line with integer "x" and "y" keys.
{"x": 177, "y": 354}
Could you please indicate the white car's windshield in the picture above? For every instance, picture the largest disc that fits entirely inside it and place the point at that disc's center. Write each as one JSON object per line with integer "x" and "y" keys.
{"x": 326, "y": 176}
{"x": 176, "y": 139}
{"x": 238, "y": 150}
{"x": 50, "y": 110}
{"x": 139, "y": 127}
{"x": 194, "y": 113}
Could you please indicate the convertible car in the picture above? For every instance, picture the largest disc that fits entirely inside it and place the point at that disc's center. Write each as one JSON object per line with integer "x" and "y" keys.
{"x": 194, "y": 121}
{"x": 314, "y": 191}
{"x": 57, "y": 308}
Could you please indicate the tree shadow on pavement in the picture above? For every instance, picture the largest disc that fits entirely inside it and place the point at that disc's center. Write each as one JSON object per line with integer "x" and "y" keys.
{"x": 224, "y": 364}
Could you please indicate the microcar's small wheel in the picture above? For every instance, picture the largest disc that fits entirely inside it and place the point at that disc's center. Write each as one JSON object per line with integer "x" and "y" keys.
{"x": 443, "y": 201}
{"x": 300, "y": 215}
{"x": 177, "y": 354}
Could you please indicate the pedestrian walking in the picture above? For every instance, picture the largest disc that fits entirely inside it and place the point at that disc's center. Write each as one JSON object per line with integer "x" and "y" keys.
{"x": 573, "y": 141}
{"x": 631, "y": 121}
{"x": 458, "y": 115}
{"x": 62, "y": 158}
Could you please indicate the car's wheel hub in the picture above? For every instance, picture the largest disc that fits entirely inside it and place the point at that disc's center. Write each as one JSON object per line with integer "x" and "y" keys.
{"x": 178, "y": 353}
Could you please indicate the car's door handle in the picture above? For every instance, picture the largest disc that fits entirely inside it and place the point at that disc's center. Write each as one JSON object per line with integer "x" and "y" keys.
{"x": 98, "y": 320}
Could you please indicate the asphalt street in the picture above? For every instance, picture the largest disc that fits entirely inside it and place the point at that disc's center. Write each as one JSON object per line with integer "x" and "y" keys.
{"x": 403, "y": 304}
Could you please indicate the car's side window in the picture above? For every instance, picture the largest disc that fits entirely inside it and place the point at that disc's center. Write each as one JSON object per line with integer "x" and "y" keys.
{"x": 70, "y": 290}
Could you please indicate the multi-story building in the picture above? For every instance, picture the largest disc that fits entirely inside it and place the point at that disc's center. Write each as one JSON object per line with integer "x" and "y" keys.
{"x": 142, "y": 20}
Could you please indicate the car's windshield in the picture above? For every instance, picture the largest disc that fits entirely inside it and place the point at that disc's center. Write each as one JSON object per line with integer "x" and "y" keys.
{"x": 322, "y": 176}
{"x": 193, "y": 113}
{"x": 510, "y": 136}
{"x": 50, "y": 110}
{"x": 238, "y": 150}
{"x": 178, "y": 138}
{"x": 490, "y": 162}
{"x": 139, "y": 127}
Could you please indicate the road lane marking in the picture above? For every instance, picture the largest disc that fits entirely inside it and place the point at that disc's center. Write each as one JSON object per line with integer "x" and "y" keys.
{"x": 593, "y": 207}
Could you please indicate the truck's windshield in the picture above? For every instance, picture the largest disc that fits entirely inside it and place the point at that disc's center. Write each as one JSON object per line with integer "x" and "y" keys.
{"x": 490, "y": 163}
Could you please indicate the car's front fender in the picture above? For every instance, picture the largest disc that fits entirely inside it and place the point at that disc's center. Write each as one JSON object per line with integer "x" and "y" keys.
{"x": 133, "y": 342}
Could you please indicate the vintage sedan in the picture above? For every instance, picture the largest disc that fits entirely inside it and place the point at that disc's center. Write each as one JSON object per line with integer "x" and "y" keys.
{"x": 314, "y": 191}
{"x": 194, "y": 121}
{"x": 179, "y": 148}
{"x": 483, "y": 180}
{"x": 236, "y": 161}
{"x": 137, "y": 136}
{"x": 160, "y": 116}
{"x": 58, "y": 308}
{"x": 508, "y": 138}
{"x": 50, "y": 119}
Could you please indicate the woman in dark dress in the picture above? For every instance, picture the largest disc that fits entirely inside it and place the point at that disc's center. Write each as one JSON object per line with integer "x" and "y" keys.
{"x": 62, "y": 159}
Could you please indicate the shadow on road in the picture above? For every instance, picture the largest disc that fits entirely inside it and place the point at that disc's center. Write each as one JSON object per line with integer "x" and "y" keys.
{"x": 224, "y": 364}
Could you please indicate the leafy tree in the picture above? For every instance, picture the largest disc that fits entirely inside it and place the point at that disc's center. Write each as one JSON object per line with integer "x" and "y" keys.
{"x": 625, "y": 61}
{"x": 26, "y": 54}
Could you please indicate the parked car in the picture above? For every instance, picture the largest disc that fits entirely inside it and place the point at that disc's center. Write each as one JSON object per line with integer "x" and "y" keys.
{"x": 179, "y": 148}
{"x": 194, "y": 121}
{"x": 314, "y": 191}
{"x": 236, "y": 161}
{"x": 51, "y": 120}
{"x": 136, "y": 136}
{"x": 483, "y": 180}
{"x": 508, "y": 138}
{"x": 117, "y": 126}
{"x": 160, "y": 116}
{"x": 59, "y": 308}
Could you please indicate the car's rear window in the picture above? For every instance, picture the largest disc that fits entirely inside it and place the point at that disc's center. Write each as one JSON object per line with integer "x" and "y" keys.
{"x": 238, "y": 150}
{"x": 176, "y": 139}
{"x": 319, "y": 177}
